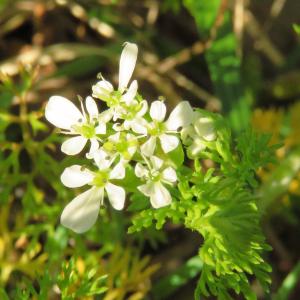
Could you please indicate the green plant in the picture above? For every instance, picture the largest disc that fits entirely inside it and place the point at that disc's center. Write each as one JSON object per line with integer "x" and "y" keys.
{"x": 134, "y": 151}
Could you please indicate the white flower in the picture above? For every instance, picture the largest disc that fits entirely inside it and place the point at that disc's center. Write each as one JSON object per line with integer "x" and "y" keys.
{"x": 104, "y": 89}
{"x": 121, "y": 144}
{"x": 63, "y": 114}
{"x": 198, "y": 134}
{"x": 155, "y": 176}
{"x": 164, "y": 131}
{"x": 132, "y": 114}
{"x": 82, "y": 212}
{"x": 123, "y": 102}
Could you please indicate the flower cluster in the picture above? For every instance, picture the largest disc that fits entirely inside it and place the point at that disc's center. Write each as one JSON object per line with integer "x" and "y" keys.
{"x": 128, "y": 132}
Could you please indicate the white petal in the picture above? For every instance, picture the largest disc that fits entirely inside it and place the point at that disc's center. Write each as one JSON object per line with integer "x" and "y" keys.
{"x": 130, "y": 137}
{"x": 158, "y": 111}
{"x": 115, "y": 137}
{"x": 118, "y": 112}
{"x": 147, "y": 189}
{"x": 160, "y": 196}
{"x": 126, "y": 125}
{"x": 127, "y": 64}
{"x": 144, "y": 108}
{"x": 180, "y": 116}
{"x": 101, "y": 159}
{"x": 210, "y": 136}
{"x": 106, "y": 115}
{"x": 130, "y": 94}
{"x": 139, "y": 125}
{"x": 73, "y": 145}
{"x": 169, "y": 175}
{"x": 101, "y": 128}
{"x": 205, "y": 128}
{"x": 116, "y": 195}
{"x": 82, "y": 212}
{"x": 187, "y": 133}
{"x": 76, "y": 176}
{"x": 94, "y": 147}
{"x": 91, "y": 107}
{"x": 148, "y": 147}
{"x": 168, "y": 142}
{"x": 131, "y": 150}
{"x": 156, "y": 162}
{"x": 118, "y": 127}
{"x": 196, "y": 147}
{"x": 62, "y": 113}
{"x": 141, "y": 171}
{"x": 118, "y": 172}
{"x": 102, "y": 89}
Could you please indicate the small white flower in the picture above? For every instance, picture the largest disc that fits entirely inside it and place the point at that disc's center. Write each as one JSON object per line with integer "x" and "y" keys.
{"x": 122, "y": 145}
{"x": 63, "y": 114}
{"x": 82, "y": 212}
{"x": 132, "y": 114}
{"x": 164, "y": 131}
{"x": 205, "y": 128}
{"x": 156, "y": 176}
{"x": 198, "y": 134}
{"x": 104, "y": 89}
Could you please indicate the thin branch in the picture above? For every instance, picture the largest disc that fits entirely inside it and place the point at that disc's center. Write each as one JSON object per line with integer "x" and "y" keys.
{"x": 212, "y": 102}
{"x": 262, "y": 41}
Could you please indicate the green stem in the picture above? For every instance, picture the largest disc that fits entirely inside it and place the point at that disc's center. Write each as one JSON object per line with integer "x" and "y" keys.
{"x": 288, "y": 284}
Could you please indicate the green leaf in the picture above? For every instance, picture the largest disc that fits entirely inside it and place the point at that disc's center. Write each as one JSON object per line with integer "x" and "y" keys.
{"x": 36, "y": 124}
{"x": 204, "y": 12}
{"x": 80, "y": 67}
{"x": 223, "y": 62}
{"x": 296, "y": 27}
{"x": 138, "y": 202}
{"x": 131, "y": 182}
{"x": 6, "y": 98}
{"x": 177, "y": 156}
{"x": 227, "y": 218}
{"x": 3, "y": 294}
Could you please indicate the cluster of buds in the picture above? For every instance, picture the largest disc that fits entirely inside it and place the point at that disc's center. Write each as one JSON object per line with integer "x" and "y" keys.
{"x": 128, "y": 132}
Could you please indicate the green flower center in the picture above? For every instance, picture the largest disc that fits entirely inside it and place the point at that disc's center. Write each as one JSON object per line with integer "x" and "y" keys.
{"x": 101, "y": 178}
{"x": 87, "y": 130}
{"x": 121, "y": 146}
{"x": 131, "y": 111}
{"x": 114, "y": 99}
{"x": 157, "y": 128}
{"x": 155, "y": 175}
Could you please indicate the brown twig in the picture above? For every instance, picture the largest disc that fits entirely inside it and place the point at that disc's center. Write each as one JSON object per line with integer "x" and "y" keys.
{"x": 212, "y": 103}
{"x": 186, "y": 54}
{"x": 262, "y": 41}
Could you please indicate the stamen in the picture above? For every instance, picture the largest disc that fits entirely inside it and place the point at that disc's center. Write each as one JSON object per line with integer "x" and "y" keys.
{"x": 82, "y": 106}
